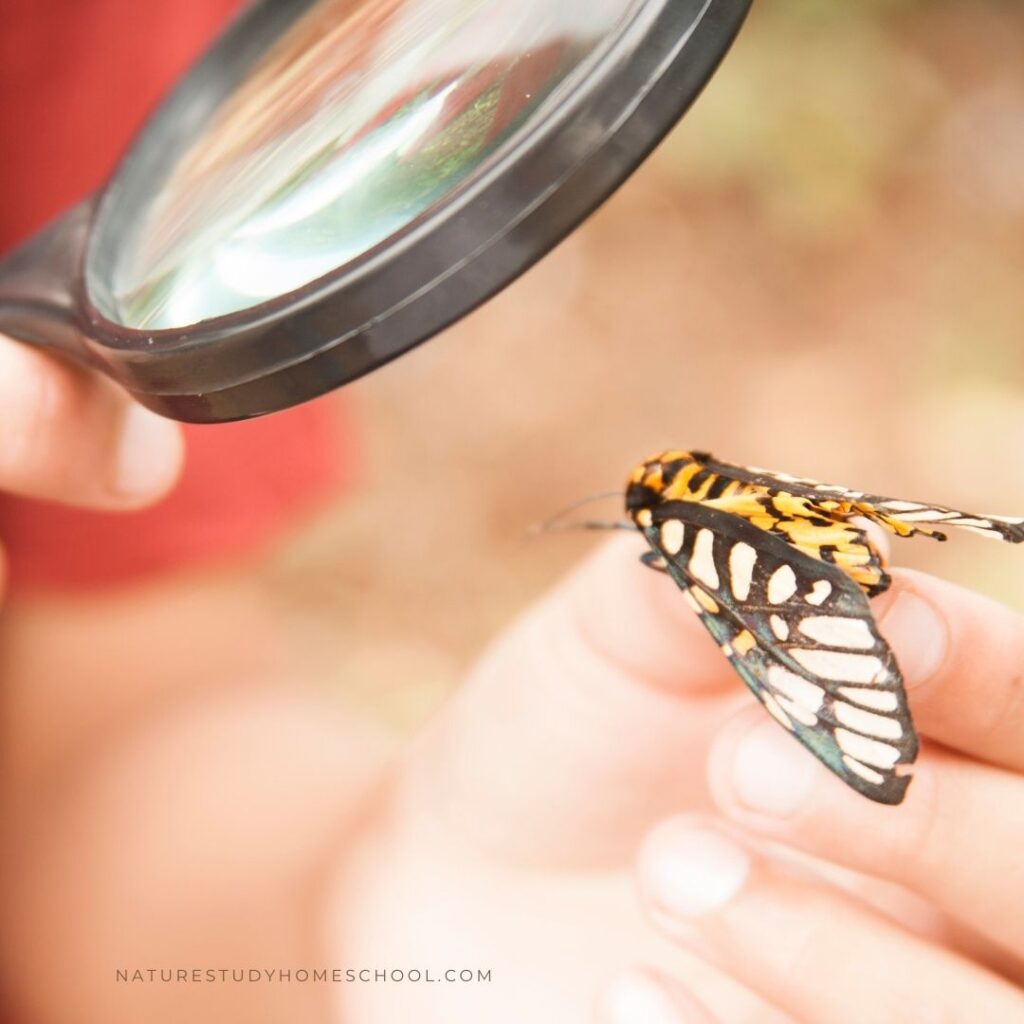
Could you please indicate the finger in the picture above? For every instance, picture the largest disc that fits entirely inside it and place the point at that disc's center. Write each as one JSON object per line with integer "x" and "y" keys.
{"x": 650, "y": 997}
{"x": 640, "y": 997}
{"x": 586, "y": 723}
{"x": 819, "y": 954}
{"x": 956, "y": 838}
{"x": 69, "y": 435}
{"x": 961, "y": 655}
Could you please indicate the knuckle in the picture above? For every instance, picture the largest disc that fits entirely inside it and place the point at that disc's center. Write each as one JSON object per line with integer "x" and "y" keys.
{"x": 991, "y": 688}
{"x": 1006, "y": 718}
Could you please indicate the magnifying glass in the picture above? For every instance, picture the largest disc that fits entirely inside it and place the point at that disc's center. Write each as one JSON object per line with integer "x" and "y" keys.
{"x": 337, "y": 180}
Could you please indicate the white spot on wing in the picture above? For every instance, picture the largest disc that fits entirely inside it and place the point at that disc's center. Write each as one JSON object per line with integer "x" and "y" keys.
{"x": 780, "y": 627}
{"x": 796, "y": 687}
{"x": 863, "y": 770}
{"x": 867, "y": 721}
{"x": 775, "y": 711}
{"x": 880, "y": 700}
{"x": 991, "y": 534}
{"x": 742, "y": 559}
{"x": 874, "y": 752}
{"x": 702, "y": 563}
{"x": 850, "y": 668}
{"x": 819, "y": 592}
{"x": 835, "y": 631}
{"x": 798, "y": 711}
{"x": 928, "y": 515}
{"x": 901, "y": 506}
{"x": 782, "y": 585}
{"x": 672, "y": 533}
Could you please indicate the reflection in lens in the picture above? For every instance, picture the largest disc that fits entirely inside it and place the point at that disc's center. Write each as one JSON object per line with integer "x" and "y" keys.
{"x": 359, "y": 119}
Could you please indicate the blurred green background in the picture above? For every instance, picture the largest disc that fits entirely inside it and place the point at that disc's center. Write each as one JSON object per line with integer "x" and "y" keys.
{"x": 819, "y": 271}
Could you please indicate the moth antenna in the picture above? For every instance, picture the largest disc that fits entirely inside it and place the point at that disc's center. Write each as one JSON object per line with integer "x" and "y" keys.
{"x": 582, "y": 524}
{"x": 556, "y": 522}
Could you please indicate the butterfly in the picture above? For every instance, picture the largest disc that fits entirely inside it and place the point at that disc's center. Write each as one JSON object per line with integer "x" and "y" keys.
{"x": 780, "y": 571}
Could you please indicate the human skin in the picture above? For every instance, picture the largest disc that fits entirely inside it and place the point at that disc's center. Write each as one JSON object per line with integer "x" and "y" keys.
{"x": 587, "y": 818}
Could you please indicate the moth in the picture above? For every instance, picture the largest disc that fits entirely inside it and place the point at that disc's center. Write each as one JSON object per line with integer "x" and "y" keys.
{"x": 780, "y": 572}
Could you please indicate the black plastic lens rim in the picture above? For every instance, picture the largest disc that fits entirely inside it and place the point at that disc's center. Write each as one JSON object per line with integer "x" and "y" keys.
{"x": 334, "y": 330}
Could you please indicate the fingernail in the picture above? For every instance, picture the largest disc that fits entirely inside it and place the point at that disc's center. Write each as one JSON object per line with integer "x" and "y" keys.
{"x": 637, "y": 998}
{"x": 688, "y": 870}
{"x": 148, "y": 453}
{"x": 771, "y": 774}
{"x": 918, "y": 634}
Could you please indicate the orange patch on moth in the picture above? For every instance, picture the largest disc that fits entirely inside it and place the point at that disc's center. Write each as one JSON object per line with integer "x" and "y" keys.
{"x": 744, "y": 642}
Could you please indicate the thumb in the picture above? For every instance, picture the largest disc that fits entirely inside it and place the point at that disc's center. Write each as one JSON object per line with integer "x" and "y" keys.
{"x": 70, "y": 435}
{"x": 587, "y": 721}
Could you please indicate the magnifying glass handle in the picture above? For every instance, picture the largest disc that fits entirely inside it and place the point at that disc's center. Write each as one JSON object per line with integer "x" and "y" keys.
{"x": 36, "y": 282}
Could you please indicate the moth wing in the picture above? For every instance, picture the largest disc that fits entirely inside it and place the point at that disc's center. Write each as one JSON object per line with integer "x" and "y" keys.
{"x": 800, "y": 634}
{"x": 816, "y": 532}
{"x": 904, "y": 518}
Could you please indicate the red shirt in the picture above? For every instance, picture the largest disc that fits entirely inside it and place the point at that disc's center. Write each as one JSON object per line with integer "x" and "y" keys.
{"x": 76, "y": 80}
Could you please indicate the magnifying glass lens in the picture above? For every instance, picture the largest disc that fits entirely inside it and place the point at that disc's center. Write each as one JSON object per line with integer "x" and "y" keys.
{"x": 359, "y": 119}
{"x": 336, "y": 181}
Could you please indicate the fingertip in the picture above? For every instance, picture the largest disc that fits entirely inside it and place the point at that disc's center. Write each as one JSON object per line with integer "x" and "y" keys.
{"x": 70, "y": 435}
{"x": 689, "y": 867}
{"x": 635, "y": 618}
{"x": 642, "y": 997}
{"x": 960, "y": 654}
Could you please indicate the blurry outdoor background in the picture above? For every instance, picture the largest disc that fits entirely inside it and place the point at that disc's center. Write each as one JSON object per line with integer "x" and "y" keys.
{"x": 820, "y": 271}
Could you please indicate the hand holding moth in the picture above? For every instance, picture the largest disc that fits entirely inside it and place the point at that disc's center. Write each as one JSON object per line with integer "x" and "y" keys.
{"x": 587, "y": 735}
{"x": 825, "y": 954}
{"x": 508, "y": 837}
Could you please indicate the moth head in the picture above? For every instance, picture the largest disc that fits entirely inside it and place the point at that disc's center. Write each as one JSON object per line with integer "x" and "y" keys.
{"x": 639, "y": 497}
{"x": 647, "y": 483}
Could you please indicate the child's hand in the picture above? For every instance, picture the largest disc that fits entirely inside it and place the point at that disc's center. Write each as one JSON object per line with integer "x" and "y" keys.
{"x": 508, "y": 838}
{"x": 249, "y": 827}
{"x": 957, "y": 841}
{"x": 510, "y": 832}
{"x": 72, "y": 436}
